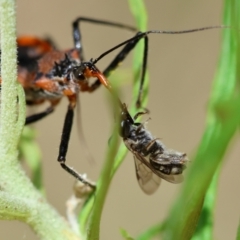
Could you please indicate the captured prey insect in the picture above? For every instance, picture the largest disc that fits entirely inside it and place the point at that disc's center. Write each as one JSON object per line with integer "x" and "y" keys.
{"x": 153, "y": 160}
{"x": 48, "y": 74}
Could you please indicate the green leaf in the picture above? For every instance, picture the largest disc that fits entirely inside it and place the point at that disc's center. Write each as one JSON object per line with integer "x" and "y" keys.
{"x": 152, "y": 232}
{"x": 126, "y": 235}
{"x": 222, "y": 123}
{"x": 238, "y": 232}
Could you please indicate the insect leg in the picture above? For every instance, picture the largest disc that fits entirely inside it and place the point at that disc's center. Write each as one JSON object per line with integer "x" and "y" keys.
{"x": 120, "y": 57}
{"x": 136, "y": 38}
{"x": 35, "y": 117}
{"x": 67, "y": 127}
{"x": 150, "y": 144}
{"x": 38, "y": 116}
{"x": 137, "y": 115}
{"x": 77, "y": 33}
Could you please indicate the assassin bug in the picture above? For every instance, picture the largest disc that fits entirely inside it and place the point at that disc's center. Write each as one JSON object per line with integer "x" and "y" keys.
{"x": 153, "y": 161}
{"x": 48, "y": 74}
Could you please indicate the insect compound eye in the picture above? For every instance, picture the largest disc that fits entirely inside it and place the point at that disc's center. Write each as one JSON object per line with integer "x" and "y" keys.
{"x": 78, "y": 73}
{"x": 125, "y": 129}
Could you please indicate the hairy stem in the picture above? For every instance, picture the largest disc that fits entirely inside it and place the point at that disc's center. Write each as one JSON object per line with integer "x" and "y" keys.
{"x": 19, "y": 200}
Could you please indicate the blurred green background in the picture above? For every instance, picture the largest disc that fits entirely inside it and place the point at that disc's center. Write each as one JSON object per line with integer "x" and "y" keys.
{"x": 181, "y": 71}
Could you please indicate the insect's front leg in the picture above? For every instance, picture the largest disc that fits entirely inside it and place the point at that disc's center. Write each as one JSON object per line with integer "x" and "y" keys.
{"x": 121, "y": 57}
{"x": 66, "y": 132}
{"x": 77, "y": 36}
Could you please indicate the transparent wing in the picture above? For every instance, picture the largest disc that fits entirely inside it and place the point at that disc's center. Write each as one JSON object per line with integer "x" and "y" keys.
{"x": 148, "y": 181}
{"x": 147, "y": 167}
{"x": 177, "y": 178}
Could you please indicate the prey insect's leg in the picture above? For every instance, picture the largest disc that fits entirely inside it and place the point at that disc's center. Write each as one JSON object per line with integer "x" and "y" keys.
{"x": 119, "y": 58}
{"x": 77, "y": 33}
{"x": 67, "y": 127}
{"x": 137, "y": 115}
{"x": 35, "y": 117}
{"x": 150, "y": 144}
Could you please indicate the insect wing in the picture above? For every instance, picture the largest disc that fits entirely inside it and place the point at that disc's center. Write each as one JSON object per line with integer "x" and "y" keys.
{"x": 148, "y": 181}
{"x": 176, "y": 178}
{"x": 173, "y": 177}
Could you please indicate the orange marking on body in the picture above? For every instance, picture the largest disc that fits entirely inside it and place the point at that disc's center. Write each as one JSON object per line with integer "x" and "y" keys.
{"x": 73, "y": 53}
{"x": 84, "y": 86}
{"x": 47, "y": 62}
{"x": 88, "y": 73}
{"x": 72, "y": 100}
{"x": 68, "y": 92}
{"x": 29, "y": 41}
{"x": 25, "y": 78}
{"x": 46, "y": 84}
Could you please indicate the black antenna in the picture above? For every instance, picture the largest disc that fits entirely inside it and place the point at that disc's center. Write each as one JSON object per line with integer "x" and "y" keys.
{"x": 144, "y": 34}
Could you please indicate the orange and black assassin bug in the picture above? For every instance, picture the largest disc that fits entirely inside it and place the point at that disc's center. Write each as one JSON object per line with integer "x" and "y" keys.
{"x": 48, "y": 74}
